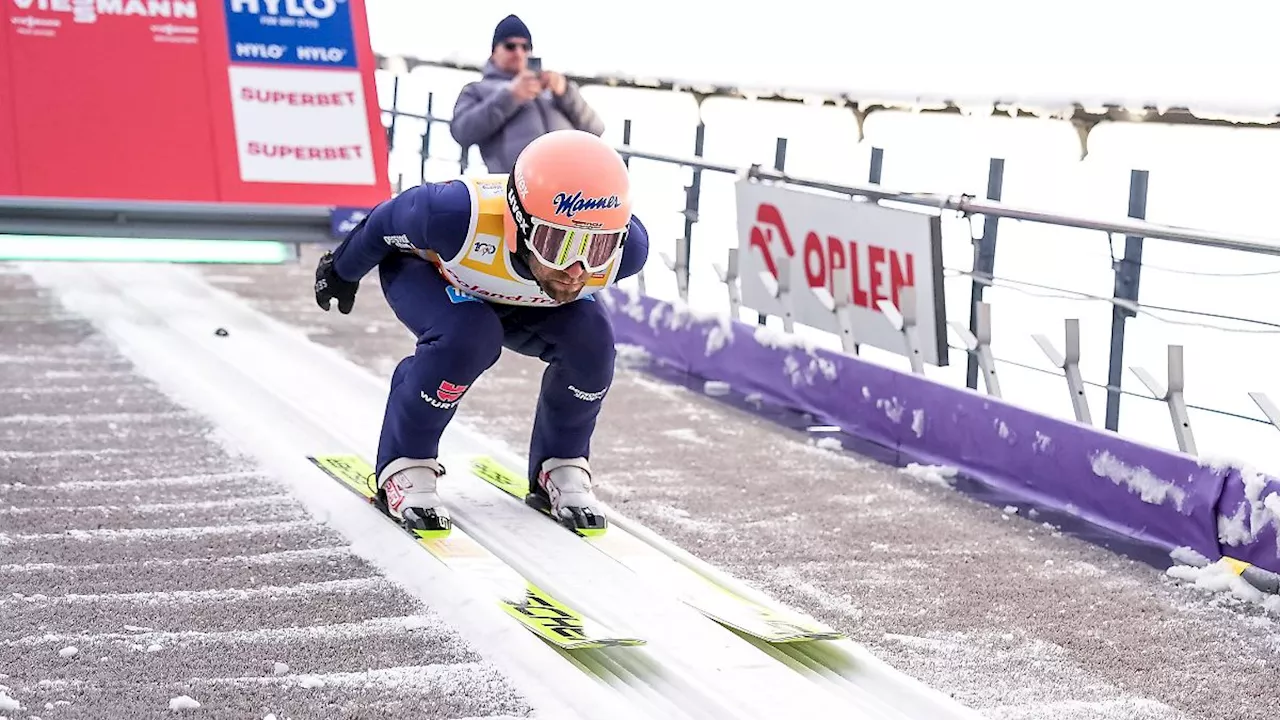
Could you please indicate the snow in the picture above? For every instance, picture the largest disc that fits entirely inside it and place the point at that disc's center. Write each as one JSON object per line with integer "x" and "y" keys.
{"x": 715, "y": 387}
{"x": 917, "y": 422}
{"x": 1220, "y": 577}
{"x": 8, "y": 704}
{"x": 280, "y": 669}
{"x": 1255, "y": 513}
{"x": 829, "y": 443}
{"x": 1041, "y": 443}
{"x": 1011, "y": 509}
{"x": 183, "y": 702}
{"x": 1139, "y": 480}
{"x": 892, "y": 408}
{"x": 69, "y": 651}
{"x": 940, "y": 475}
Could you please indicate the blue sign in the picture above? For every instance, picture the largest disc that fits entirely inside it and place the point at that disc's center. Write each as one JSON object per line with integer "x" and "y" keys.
{"x": 309, "y": 33}
{"x": 343, "y": 220}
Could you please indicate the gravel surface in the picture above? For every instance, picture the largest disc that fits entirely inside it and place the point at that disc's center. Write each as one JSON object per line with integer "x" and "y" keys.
{"x": 141, "y": 562}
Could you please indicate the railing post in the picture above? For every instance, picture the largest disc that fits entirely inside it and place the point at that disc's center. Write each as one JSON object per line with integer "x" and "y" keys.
{"x": 779, "y": 164}
{"x": 877, "y": 166}
{"x": 984, "y": 260}
{"x": 692, "y": 193}
{"x": 1069, "y": 363}
{"x": 426, "y": 139}
{"x": 395, "y": 113}
{"x": 1173, "y": 397}
{"x": 1128, "y": 272}
{"x": 626, "y": 141}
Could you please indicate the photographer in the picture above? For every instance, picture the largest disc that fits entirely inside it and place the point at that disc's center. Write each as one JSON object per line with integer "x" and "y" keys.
{"x": 515, "y": 103}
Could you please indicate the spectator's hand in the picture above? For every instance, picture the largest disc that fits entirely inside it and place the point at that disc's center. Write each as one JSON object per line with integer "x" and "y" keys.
{"x": 525, "y": 86}
{"x": 554, "y": 82}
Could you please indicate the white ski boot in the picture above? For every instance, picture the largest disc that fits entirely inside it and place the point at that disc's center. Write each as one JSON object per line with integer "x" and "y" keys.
{"x": 408, "y": 487}
{"x": 564, "y": 492}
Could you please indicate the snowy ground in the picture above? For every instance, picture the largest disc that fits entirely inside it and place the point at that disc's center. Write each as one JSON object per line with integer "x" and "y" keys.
{"x": 144, "y": 568}
{"x": 181, "y": 583}
{"x": 1008, "y": 615}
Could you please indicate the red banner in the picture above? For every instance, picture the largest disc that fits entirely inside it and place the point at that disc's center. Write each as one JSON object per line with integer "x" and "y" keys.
{"x": 268, "y": 101}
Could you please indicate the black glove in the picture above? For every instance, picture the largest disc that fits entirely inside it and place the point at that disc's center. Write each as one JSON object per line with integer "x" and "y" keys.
{"x": 330, "y": 286}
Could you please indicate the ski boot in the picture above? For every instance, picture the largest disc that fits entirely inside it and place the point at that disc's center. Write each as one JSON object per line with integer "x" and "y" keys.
{"x": 407, "y": 491}
{"x": 563, "y": 491}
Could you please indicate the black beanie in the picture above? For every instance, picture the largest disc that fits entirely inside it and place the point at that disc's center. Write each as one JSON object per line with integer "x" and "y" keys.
{"x": 511, "y": 26}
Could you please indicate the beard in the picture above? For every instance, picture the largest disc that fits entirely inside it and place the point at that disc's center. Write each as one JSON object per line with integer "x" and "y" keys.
{"x": 559, "y": 293}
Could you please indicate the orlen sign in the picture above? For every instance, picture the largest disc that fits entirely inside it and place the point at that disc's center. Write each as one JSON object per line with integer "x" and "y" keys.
{"x": 879, "y": 251}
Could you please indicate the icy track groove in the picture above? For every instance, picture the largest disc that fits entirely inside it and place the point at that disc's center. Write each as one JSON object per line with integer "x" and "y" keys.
{"x": 250, "y": 382}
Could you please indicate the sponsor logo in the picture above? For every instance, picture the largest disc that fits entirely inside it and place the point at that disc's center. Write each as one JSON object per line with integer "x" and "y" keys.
{"x": 570, "y": 205}
{"x": 399, "y": 241}
{"x": 587, "y": 396}
{"x": 318, "y": 9}
{"x": 457, "y": 296}
{"x": 449, "y": 392}
{"x": 517, "y": 213}
{"x": 482, "y": 248}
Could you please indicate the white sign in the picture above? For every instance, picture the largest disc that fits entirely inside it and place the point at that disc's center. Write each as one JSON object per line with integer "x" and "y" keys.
{"x": 879, "y": 251}
{"x": 301, "y": 126}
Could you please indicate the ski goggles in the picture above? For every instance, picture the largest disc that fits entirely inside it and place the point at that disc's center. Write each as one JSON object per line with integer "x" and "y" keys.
{"x": 560, "y": 246}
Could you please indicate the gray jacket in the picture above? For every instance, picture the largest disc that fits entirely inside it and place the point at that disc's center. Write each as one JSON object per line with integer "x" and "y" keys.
{"x": 488, "y": 115}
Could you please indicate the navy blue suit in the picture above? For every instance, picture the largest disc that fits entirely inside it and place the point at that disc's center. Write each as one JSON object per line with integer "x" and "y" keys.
{"x": 460, "y": 336}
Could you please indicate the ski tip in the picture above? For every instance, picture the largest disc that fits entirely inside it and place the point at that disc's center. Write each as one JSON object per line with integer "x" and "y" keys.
{"x": 439, "y": 534}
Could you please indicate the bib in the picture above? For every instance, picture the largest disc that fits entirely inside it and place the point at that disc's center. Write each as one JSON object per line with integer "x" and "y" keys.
{"x": 482, "y": 268}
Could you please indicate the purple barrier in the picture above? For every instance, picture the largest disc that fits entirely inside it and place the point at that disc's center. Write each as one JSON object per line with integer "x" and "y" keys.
{"x": 1159, "y": 497}
{"x": 1249, "y": 515}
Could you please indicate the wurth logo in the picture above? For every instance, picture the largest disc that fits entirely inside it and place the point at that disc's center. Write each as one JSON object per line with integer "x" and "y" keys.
{"x": 449, "y": 392}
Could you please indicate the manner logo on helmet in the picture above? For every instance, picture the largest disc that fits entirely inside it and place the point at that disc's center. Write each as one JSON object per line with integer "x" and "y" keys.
{"x": 570, "y": 205}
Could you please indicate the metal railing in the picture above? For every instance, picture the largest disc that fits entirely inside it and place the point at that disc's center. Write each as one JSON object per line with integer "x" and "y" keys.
{"x": 977, "y": 335}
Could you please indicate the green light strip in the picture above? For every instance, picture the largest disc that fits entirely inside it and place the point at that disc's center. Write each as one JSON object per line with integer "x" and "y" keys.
{"x": 48, "y": 247}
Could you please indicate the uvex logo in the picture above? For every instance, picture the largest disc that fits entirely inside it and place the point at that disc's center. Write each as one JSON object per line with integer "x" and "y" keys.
{"x": 769, "y": 219}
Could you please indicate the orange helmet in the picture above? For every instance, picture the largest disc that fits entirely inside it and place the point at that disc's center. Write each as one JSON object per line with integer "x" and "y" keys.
{"x": 569, "y": 200}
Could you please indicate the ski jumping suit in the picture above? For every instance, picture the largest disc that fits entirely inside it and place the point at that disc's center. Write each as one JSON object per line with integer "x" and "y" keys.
{"x": 449, "y": 278}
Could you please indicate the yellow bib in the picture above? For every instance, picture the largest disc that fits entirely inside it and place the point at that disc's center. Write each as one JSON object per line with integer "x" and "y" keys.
{"x": 482, "y": 268}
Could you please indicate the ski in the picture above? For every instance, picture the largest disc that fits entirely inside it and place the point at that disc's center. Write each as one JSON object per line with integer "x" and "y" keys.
{"x": 544, "y": 615}
{"x": 708, "y": 597}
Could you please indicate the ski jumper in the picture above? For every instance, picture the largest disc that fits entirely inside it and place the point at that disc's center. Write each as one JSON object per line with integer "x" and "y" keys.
{"x": 448, "y": 277}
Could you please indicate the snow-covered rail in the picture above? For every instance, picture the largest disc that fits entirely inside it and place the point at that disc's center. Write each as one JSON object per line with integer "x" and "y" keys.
{"x": 280, "y": 397}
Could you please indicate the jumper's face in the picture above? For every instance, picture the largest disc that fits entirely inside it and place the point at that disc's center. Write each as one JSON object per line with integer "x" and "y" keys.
{"x": 562, "y": 285}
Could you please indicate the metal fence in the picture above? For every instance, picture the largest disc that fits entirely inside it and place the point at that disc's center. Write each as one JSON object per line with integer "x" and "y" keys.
{"x": 976, "y": 336}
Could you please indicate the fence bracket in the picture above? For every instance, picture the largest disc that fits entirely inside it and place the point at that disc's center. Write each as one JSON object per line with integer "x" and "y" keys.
{"x": 1267, "y": 407}
{"x": 1173, "y": 397}
{"x": 839, "y": 305}
{"x": 978, "y": 343}
{"x": 680, "y": 266}
{"x": 904, "y": 321}
{"x": 1069, "y": 363}
{"x": 780, "y": 289}
{"x": 728, "y": 275}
